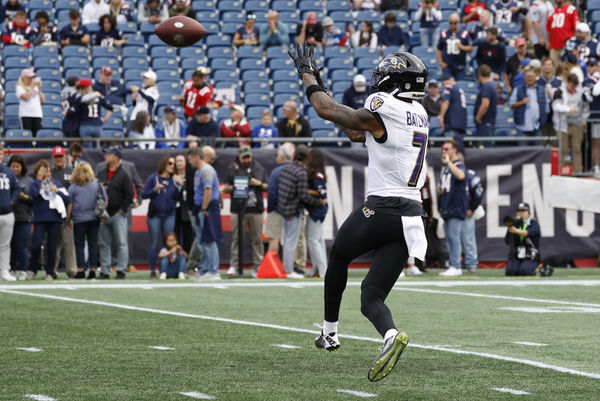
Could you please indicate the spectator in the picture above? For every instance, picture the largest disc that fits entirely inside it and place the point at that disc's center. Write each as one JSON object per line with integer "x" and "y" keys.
{"x": 265, "y": 130}
{"x": 468, "y": 237}
{"x": 432, "y": 102}
{"x": 85, "y": 192}
{"x": 207, "y": 215}
{"x": 274, "y": 32}
{"x": 74, "y": 33}
{"x": 390, "y": 34}
{"x": 430, "y": 16}
{"x": 183, "y": 224}
{"x": 357, "y": 93}
{"x": 119, "y": 188}
{"x": 514, "y": 62}
{"x": 23, "y": 213}
{"x": 485, "y": 103}
{"x": 18, "y": 32}
{"x": 236, "y": 126}
{"x": 472, "y": 10}
{"x": 246, "y": 166}
{"x": 61, "y": 172}
{"x": 74, "y": 154}
{"x": 196, "y": 93}
{"x": 479, "y": 29}
{"x": 453, "y": 46}
{"x": 181, "y": 7}
{"x": 560, "y": 26}
{"x": 292, "y": 196}
{"x": 171, "y": 128}
{"x": 548, "y": 78}
{"x": 293, "y": 124}
{"x": 492, "y": 53}
{"x": 111, "y": 89}
{"x": 332, "y": 35}
{"x": 142, "y": 129}
{"x": 109, "y": 35}
{"x": 49, "y": 210}
{"x": 569, "y": 120}
{"x": 538, "y": 14}
{"x": 30, "y": 94}
{"x": 86, "y": 105}
{"x": 121, "y": 10}
{"x": 591, "y": 86}
{"x": 247, "y": 35}
{"x": 315, "y": 166}
{"x": 530, "y": 106}
{"x": 189, "y": 195}
{"x": 203, "y": 126}
{"x": 93, "y": 10}
{"x": 571, "y": 66}
{"x": 583, "y": 45}
{"x": 453, "y": 112}
{"x": 144, "y": 98}
{"x": 163, "y": 188}
{"x": 70, "y": 121}
{"x": 387, "y": 5}
{"x": 506, "y": 11}
{"x": 523, "y": 237}
{"x": 43, "y": 34}
{"x": 172, "y": 259}
{"x": 9, "y": 195}
{"x": 365, "y": 37}
{"x": 310, "y": 30}
{"x": 10, "y": 9}
{"x": 367, "y": 4}
{"x": 152, "y": 11}
{"x": 453, "y": 204}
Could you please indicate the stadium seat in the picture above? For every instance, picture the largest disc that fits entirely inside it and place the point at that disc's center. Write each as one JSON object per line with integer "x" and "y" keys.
{"x": 224, "y": 75}
{"x": 11, "y": 98}
{"x": 18, "y": 134}
{"x": 251, "y": 64}
{"x": 367, "y": 15}
{"x": 338, "y": 5}
{"x": 255, "y": 112}
{"x": 45, "y": 5}
{"x": 340, "y": 86}
{"x": 254, "y": 76}
{"x": 233, "y": 16}
{"x": 339, "y": 63}
{"x": 66, "y": 4}
{"x": 217, "y": 40}
{"x": 113, "y": 123}
{"x": 207, "y": 17}
{"x": 337, "y": 51}
{"x": 190, "y": 52}
{"x": 74, "y": 51}
{"x": 135, "y": 63}
{"x": 223, "y": 113}
{"x": 342, "y": 75}
{"x": 44, "y": 51}
{"x": 201, "y": 5}
{"x": 110, "y": 134}
{"x": 280, "y": 99}
{"x": 283, "y": 75}
{"x": 192, "y": 63}
{"x": 257, "y": 99}
{"x": 14, "y": 51}
{"x": 249, "y": 52}
{"x": 16, "y": 62}
{"x": 158, "y": 63}
{"x": 80, "y": 72}
{"x": 104, "y": 51}
{"x": 133, "y": 51}
{"x": 127, "y": 27}
{"x": 256, "y": 5}
{"x": 75, "y": 62}
{"x": 289, "y": 17}
{"x": 218, "y": 63}
{"x": 133, "y": 39}
{"x": 166, "y": 87}
{"x": 52, "y": 122}
{"x": 365, "y": 52}
{"x": 12, "y": 74}
{"x": 166, "y": 99}
{"x": 230, "y": 5}
{"x": 52, "y": 86}
{"x": 229, "y": 28}
{"x": 100, "y": 62}
{"x": 49, "y": 134}
{"x": 171, "y": 75}
{"x": 48, "y": 74}
{"x": 147, "y": 29}
{"x": 50, "y": 110}
{"x": 277, "y": 52}
{"x": 310, "y": 5}
{"x": 283, "y": 5}
{"x": 280, "y": 64}
{"x": 367, "y": 63}
{"x": 219, "y": 51}
{"x": 285, "y": 87}
{"x": 53, "y": 98}
{"x": 254, "y": 87}
{"x": 133, "y": 74}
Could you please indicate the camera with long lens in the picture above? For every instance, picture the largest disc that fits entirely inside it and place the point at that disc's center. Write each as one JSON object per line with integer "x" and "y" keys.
{"x": 510, "y": 221}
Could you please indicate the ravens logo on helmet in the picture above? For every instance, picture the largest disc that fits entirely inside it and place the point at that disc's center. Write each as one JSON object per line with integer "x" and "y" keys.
{"x": 401, "y": 74}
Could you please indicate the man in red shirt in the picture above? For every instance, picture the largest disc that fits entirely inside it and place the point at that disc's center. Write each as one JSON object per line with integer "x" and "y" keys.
{"x": 472, "y": 10}
{"x": 561, "y": 27}
{"x": 196, "y": 93}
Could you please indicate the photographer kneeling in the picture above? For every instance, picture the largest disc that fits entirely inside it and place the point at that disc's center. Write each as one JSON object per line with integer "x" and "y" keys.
{"x": 523, "y": 237}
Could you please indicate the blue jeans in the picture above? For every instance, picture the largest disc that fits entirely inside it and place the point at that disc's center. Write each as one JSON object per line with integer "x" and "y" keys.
{"x": 116, "y": 227}
{"x": 209, "y": 261}
{"x": 429, "y": 36}
{"x": 458, "y": 74}
{"x": 487, "y": 129}
{"x": 316, "y": 247}
{"x": 469, "y": 244}
{"x": 158, "y": 228}
{"x": 82, "y": 231}
{"x": 90, "y": 131}
{"x": 173, "y": 268}
{"x": 454, "y": 228}
{"x": 19, "y": 246}
{"x": 39, "y": 234}
{"x": 290, "y": 236}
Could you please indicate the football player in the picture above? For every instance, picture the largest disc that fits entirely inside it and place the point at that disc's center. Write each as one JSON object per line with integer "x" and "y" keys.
{"x": 390, "y": 223}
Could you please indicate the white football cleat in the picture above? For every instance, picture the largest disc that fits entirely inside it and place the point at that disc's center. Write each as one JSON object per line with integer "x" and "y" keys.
{"x": 329, "y": 342}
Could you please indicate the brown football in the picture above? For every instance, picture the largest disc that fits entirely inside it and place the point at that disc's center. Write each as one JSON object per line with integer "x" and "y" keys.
{"x": 180, "y": 31}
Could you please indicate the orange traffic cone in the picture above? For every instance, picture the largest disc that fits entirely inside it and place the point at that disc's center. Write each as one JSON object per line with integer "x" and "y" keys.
{"x": 271, "y": 267}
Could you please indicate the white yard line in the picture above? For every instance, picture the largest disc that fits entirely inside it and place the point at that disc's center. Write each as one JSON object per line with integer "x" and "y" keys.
{"x": 40, "y": 397}
{"x": 531, "y": 344}
{"x": 161, "y": 348}
{"x": 300, "y": 330}
{"x": 30, "y": 349}
{"x": 287, "y": 346}
{"x": 510, "y": 390}
{"x": 198, "y": 396}
{"x": 357, "y": 393}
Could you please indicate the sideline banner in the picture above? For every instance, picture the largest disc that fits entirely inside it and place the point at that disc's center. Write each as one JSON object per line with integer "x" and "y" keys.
{"x": 509, "y": 175}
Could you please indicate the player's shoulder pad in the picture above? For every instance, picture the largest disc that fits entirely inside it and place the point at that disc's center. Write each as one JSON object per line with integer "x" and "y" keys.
{"x": 376, "y": 100}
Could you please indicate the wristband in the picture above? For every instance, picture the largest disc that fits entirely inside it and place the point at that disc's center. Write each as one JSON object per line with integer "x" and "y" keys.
{"x": 312, "y": 89}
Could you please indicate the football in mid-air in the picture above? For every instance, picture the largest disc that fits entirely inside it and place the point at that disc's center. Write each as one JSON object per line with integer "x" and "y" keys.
{"x": 180, "y": 31}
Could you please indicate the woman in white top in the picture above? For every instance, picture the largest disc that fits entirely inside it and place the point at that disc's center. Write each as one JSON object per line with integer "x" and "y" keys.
{"x": 31, "y": 97}
{"x": 142, "y": 129}
{"x": 365, "y": 37}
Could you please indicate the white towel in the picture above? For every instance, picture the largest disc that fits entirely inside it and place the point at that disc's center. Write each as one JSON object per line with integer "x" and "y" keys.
{"x": 414, "y": 235}
{"x": 55, "y": 201}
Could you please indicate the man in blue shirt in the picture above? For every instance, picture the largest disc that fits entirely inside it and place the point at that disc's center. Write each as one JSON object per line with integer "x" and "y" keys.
{"x": 453, "y": 46}
{"x": 112, "y": 90}
{"x": 592, "y": 86}
{"x": 274, "y": 33}
{"x": 492, "y": 52}
{"x": 486, "y": 103}
{"x": 506, "y": 10}
{"x": 357, "y": 93}
{"x": 9, "y": 193}
{"x": 530, "y": 106}
{"x": 582, "y": 44}
{"x": 390, "y": 34}
{"x": 468, "y": 236}
{"x": 74, "y": 33}
{"x": 453, "y": 204}
{"x": 453, "y": 112}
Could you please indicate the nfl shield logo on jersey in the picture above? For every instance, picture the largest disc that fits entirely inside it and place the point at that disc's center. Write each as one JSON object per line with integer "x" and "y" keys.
{"x": 376, "y": 103}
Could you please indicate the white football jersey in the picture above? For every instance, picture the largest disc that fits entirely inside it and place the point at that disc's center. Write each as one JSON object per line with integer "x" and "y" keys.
{"x": 395, "y": 166}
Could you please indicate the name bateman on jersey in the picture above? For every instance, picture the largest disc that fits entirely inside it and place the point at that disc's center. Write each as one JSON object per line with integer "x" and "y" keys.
{"x": 417, "y": 120}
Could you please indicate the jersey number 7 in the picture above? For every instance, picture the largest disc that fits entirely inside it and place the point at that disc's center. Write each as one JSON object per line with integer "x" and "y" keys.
{"x": 419, "y": 141}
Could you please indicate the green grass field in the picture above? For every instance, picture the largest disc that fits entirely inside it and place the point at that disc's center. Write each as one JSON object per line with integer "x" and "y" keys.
{"x": 471, "y": 338}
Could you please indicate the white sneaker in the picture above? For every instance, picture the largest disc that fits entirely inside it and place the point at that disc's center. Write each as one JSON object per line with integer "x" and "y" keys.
{"x": 210, "y": 276}
{"x": 451, "y": 272}
{"x": 413, "y": 271}
{"x": 21, "y": 275}
{"x": 181, "y": 276}
{"x": 294, "y": 275}
{"x": 231, "y": 271}
{"x": 5, "y": 275}
{"x": 402, "y": 274}
{"x": 597, "y": 171}
{"x": 163, "y": 276}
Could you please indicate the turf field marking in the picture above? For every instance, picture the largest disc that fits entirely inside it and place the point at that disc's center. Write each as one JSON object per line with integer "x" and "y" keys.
{"x": 551, "y": 309}
{"x": 161, "y": 348}
{"x": 510, "y": 390}
{"x": 197, "y": 395}
{"x": 532, "y": 344}
{"x": 40, "y": 397}
{"x": 286, "y": 346}
{"x": 357, "y": 393}
{"x": 307, "y": 331}
{"x": 30, "y": 349}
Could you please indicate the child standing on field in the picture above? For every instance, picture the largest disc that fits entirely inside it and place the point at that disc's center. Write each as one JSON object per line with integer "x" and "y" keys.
{"x": 172, "y": 259}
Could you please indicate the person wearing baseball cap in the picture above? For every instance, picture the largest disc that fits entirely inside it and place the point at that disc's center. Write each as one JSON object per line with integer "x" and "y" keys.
{"x": 70, "y": 122}
{"x": 110, "y": 88}
{"x": 236, "y": 126}
{"x": 248, "y": 34}
{"x": 523, "y": 237}
{"x": 86, "y": 105}
{"x": 144, "y": 98}
{"x": 171, "y": 128}
{"x": 513, "y": 64}
{"x": 432, "y": 101}
{"x": 30, "y": 94}
{"x": 356, "y": 94}
{"x": 310, "y": 30}
{"x": 203, "y": 125}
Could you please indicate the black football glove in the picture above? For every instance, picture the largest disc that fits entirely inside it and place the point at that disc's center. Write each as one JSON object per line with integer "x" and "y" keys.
{"x": 303, "y": 59}
{"x": 317, "y": 74}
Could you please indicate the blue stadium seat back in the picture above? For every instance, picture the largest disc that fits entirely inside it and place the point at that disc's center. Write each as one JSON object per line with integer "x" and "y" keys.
{"x": 338, "y": 5}
{"x": 16, "y": 62}
{"x": 222, "y": 64}
{"x": 448, "y": 4}
{"x": 230, "y": 28}
{"x": 201, "y": 5}
{"x": 66, "y": 4}
{"x": 319, "y": 123}
{"x": 254, "y": 76}
{"x": 127, "y": 27}
{"x": 413, "y": 41}
{"x": 509, "y": 28}
{"x": 256, "y": 87}
{"x": 367, "y": 63}
{"x": 15, "y": 133}
{"x": 135, "y": 63}
{"x": 211, "y": 28}
{"x": 342, "y": 75}
{"x": 163, "y": 62}
{"x": 340, "y": 16}
{"x": 471, "y": 98}
{"x": 192, "y": 51}
{"x": 93, "y": 27}
{"x": 51, "y": 110}
{"x": 283, "y": 5}
{"x": 192, "y": 63}
{"x": 280, "y": 64}
{"x": 336, "y": 51}
{"x": 105, "y": 62}
{"x": 219, "y": 51}
{"x": 340, "y": 86}
{"x": 392, "y": 49}
{"x": 230, "y": 5}
{"x": 52, "y": 122}
{"x": 510, "y": 51}
{"x": 251, "y": 64}
{"x": 286, "y": 87}
{"x": 170, "y": 75}
{"x": 256, "y": 6}
{"x": 280, "y": 99}
{"x": 593, "y": 15}
{"x": 45, "y": 5}
{"x": 110, "y": 134}
{"x": 53, "y": 98}
{"x": 14, "y": 51}
{"x": 467, "y": 86}
{"x": 75, "y": 62}
{"x": 147, "y": 29}
{"x": 49, "y": 134}
{"x": 261, "y": 17}
{"x": 217, "y": 40}
{"x": 324, "y": 133}
{"x": 401, "y": 16}
{"x": 114, "y": 122}
{"x": 48, "y": 74}
{"x": 249, "y": 52}
{"x": 80, "y": 72}
{"x": 53, "y": 86}
{"x": 12, "y": 74}
{"x": 133, "y": 51}
{"x": 133, "y": 74}
{"x": 304, "y": 14}
{"x": 289, "y": 17}
{"x": 223, "y": 113}
{"x": 255, "y": 112}
{"x": 277, "y": 52}
{"x": 166, "y": 87}
{"x": 365, "y": 52}
{"x": 168, "y": 98}
{"x": 367, "y": 15}
{"x": 105, "y": 51}
{"x": 11, "y": 98}
{"x": 33, "y": 11}
{"x": 154, "y": 40}
{"x": 339, "y": 63}
{"x": 283, "y": 75}
{"x": 208, "y": 17}
{"x": 224, "y": 75}
{"x": 44, "y": 51}
{"x": 133, "y": 39}
{"x": 310, "y": 5}
{"x": 446, "y": 14}
{"x": 62, "y": 18}
{"x": 257, "y": 99}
